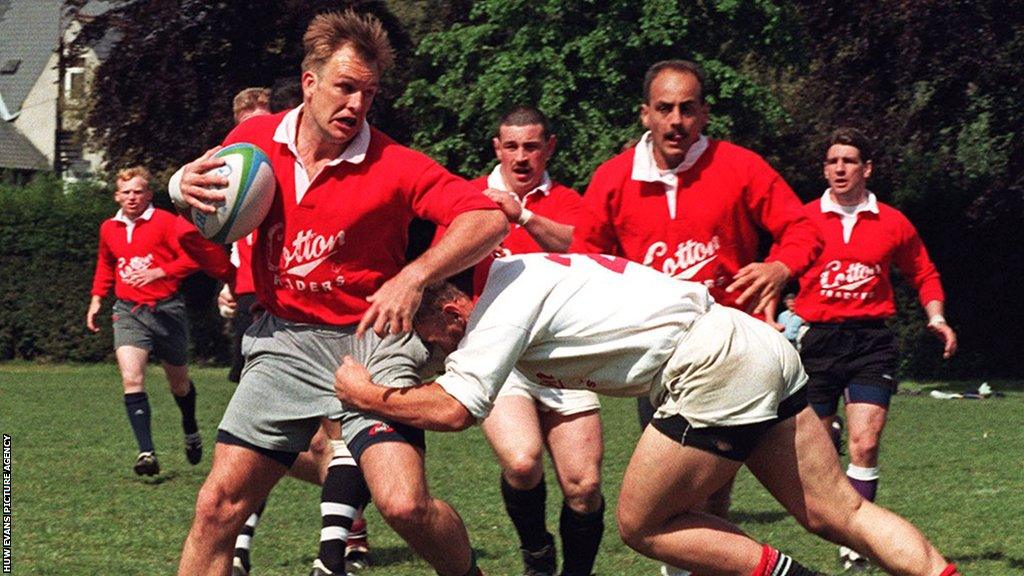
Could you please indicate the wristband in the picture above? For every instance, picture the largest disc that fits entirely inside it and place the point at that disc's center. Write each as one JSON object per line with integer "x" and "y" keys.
{"x": 524, "y": 217}
{"x": 936, "y": 320}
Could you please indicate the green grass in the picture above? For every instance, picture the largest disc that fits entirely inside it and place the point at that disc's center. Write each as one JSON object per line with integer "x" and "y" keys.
{"x": 952, "y": 467}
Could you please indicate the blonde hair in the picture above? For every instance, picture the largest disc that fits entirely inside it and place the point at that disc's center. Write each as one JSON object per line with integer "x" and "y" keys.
{"x": 329, "y": 32}
{"x": 128, "y": 173}
{"x": 251, "y": 99}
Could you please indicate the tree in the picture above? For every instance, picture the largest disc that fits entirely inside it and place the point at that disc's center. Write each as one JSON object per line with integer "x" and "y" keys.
{"x": 582, "y": 63}
{"x": 163, "y": 96}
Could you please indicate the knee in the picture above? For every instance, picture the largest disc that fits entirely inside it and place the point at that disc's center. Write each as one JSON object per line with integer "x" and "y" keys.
{"x": 523, "y": 471}
{"x": 829, "y": 522}
{"x": 133, "y": 383}
{"x": 320, "y": 447}
{"x": 219, "y": 516}
{"x": 180, "y": 386}
{"x": 632, "y": 529}
{"x": 403, "y": 509}
{"x": 583, "y": 494}
{"x": 864, "y": 447}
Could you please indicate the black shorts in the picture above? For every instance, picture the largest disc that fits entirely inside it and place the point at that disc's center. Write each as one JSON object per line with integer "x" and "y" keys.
{"x": 837, "y": 355}
{"x": 732, "y": 442}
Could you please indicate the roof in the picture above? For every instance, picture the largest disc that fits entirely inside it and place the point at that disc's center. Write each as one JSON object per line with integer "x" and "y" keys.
{"x": 29, "y": 30}
{"x": 17, "y": 152}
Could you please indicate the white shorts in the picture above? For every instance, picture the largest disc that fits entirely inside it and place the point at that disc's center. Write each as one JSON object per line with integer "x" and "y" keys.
{"x": 558, "y": 400}
{"x": 729, "y": 369}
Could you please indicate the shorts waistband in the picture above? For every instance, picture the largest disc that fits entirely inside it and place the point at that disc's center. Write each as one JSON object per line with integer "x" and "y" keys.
{"x": 849, "y": 324}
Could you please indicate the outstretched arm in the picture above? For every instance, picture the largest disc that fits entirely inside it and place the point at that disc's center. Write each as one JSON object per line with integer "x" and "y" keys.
{"x": 426, "y": 406}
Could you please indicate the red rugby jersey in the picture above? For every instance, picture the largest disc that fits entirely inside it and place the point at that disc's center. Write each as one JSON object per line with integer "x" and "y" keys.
{"x": 316, "y": 260}
{"x": 723, "y": 200}
{"x": 850, "y": 280}
{"x": 150, "y": 241}
{"x": 561, "y": 204}
{"x": 210, "y": 256}
{"x": 243, "y": 277}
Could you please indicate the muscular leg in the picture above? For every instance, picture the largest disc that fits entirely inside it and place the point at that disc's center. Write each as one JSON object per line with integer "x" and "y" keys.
{"x": 131, "y": 361}
{"x": 866, "y": 422}
{"x": 395, "y": 474}
{"x": 664, "y": 485}
{"x": 797, "y": 464}
{"x": 514, "y": 433}
{"x": 239, "y": 481}
{"x": 576, "y": 447}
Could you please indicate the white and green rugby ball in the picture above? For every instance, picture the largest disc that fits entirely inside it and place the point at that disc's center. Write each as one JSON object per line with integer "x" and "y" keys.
{"x": 247, "y": 197}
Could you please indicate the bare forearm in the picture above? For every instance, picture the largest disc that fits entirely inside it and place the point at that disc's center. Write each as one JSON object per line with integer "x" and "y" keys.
{"x": 551, "y": 236}
{"x": 426, "y": 406}
{"x": 469, "y": 238}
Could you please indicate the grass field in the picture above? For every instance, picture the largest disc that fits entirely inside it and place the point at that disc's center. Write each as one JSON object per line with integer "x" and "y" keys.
{"x": 952, "y": 467}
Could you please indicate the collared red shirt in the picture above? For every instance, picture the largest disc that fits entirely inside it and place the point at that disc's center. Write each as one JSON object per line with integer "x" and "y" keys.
{"x": 645, "y": 168}
{"x": 848, "y": 215}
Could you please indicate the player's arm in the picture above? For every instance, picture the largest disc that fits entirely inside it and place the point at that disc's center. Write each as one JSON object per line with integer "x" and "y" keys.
{"x": 938, "y": 326}
{"x": 594, "y": 232}
{"x": 470, "y": 237}
{"x": 194, "y": 184}
{"x": 102, "y": 282}
{"x": 550, "y": 235}
{"x": 425, "y": 406}
{"x": 911, "y": 257}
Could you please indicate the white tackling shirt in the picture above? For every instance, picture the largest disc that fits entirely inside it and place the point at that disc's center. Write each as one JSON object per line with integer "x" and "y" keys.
{"x": 576, "y": 321}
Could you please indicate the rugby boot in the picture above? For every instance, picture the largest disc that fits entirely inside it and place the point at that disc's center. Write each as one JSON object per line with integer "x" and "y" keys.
{"x": 542, "y": 562}
{"x": 357, "y": 548}
{"x": 146, "y": 464}
{"x": 193, "y": 448}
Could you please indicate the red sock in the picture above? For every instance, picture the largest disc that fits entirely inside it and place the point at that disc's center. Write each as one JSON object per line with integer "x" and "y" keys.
{"x": 769, "y": 556}
{"x": 950, "y": 571}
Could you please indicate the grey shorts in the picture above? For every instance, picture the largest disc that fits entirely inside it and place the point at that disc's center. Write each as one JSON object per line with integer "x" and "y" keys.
{"x": 287, "y": 384}
{"x": 162, "y": 328}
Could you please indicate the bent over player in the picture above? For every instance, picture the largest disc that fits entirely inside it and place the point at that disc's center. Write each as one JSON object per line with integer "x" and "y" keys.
{"x": 847, "y": 296}
{"x": 329, "y": 267}
{"x": 140, "y": 257}
{"x": 729, "y": 390}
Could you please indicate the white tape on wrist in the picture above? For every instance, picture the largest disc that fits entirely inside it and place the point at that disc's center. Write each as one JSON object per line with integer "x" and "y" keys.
{"x": 524, "y": 216}
{"x": 936, "y": 320}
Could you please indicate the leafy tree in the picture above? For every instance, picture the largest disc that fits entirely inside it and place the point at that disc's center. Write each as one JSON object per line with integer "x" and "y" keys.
{"x": 582, "y": 62}
{"x": 164, "y": 94}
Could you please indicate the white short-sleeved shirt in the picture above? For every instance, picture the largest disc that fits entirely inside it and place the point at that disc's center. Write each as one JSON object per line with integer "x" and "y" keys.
{"x": 576, "y": 321}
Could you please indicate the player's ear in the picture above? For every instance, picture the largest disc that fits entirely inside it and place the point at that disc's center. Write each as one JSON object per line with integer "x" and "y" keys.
{"x": 497, "y": 145}
{"x": 645, "y": 111}
{"x": 868, "y": 167}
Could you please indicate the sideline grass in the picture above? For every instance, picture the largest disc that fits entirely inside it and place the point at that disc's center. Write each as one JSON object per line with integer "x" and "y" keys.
{"x": 951, "y": 467}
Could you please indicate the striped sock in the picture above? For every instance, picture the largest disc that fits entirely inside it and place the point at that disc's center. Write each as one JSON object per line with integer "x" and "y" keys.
{"x": 243, "y": 543}
{"x": 343, "y": 494}
{"x": 775, "y": 563}
{"x": 950, "y": 570}
{"x": 864, "y": 481}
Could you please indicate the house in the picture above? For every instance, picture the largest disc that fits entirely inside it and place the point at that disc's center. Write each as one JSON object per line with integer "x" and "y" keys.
{"x": 43, "y": 89}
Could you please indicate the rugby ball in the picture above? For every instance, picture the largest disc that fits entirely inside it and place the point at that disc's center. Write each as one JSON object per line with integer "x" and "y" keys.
{"x": 247, "y": 197}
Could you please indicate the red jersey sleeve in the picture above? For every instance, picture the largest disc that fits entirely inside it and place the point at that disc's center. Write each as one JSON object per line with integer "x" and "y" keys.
{"x": 797, "y": 242}
{"x": 103, "y": 278}
{"x": 182, "y": 265}
{"x": 440, "y": 196}
{"x": 210, "y": 256}
{"x": 595, "y": 230}
{"x": 917, "y": 268}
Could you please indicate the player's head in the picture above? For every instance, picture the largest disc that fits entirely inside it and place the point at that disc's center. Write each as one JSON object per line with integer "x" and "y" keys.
{"x": 251, "y": 102}
{"x": 285, "y": 94}
{"x": 674, "y": 109}
{"x": 523, "y": 144}
{"x": 132, "y": 192}
{"x": 346, "y": 53}
{"x": 848, "y": 163}
{"x": 789, "y": 299}
{"x": 443, "y": 315}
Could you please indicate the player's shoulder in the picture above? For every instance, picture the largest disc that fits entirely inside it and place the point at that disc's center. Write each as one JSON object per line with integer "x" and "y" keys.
{"x": 736, "y": 155}
{"x": 479, "y": 182}
{"x": 889, "y": 213}
{"x": 561, "y": 190}
{"x": 614, "y": 172}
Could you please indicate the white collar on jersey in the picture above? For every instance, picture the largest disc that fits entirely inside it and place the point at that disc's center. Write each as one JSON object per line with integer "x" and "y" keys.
{"x": 288, "y": 129}
{"x": 146, "y": 215}
{"x": 645, "y": 169}
{"x": 830, "y": 205}
{"x": 496, "y": 181}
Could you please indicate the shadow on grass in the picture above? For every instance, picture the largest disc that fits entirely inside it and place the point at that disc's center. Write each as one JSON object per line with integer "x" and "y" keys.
{"x": 741, "y": 517}
{"x": 991, "y": 556}
{"x": 391, "y": 555}
{"x": 159, "y": 478}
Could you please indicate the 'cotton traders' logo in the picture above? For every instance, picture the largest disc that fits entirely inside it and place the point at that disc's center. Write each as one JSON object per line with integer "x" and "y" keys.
{"x": 291, "y": 262}
{"x": 689, "y": 259}
{"x": 855, "y": 281}
{"x": 136, "y": 263}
